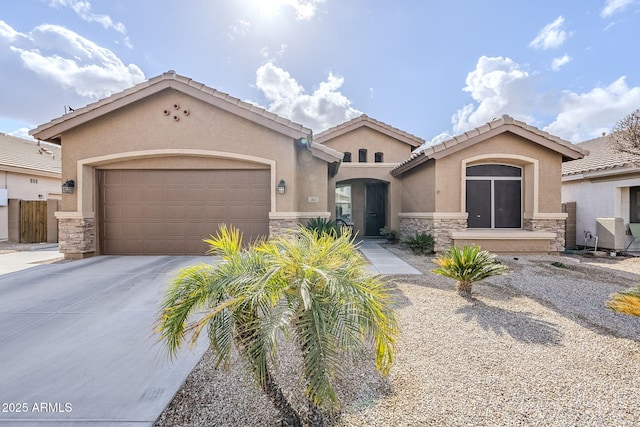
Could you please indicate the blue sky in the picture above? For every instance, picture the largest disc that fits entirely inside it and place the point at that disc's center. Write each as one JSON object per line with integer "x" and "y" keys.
{"x": 433, "y": 69}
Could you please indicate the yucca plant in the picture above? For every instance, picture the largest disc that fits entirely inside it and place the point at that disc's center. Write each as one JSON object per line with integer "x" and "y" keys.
{"x": 313, "y": 287}
{"x": 467, "y": 265}
{"x": 625, "y": 302}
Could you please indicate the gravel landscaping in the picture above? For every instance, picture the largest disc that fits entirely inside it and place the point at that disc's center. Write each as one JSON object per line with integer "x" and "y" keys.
{"x": 535, "y": 347}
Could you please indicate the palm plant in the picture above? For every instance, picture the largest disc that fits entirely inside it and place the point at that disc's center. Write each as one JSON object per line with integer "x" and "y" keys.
{"x": 313, "y": 288}
{"x": 626, "y": 302}
{"x": 324, "y": 225}
{"x": 420, "y": 243}
{"x": 467, "y": 265}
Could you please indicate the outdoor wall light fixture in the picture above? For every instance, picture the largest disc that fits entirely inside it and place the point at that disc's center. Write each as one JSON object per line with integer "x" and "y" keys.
{"x": 281, "y": 187}
{"x": 68, "y": 186}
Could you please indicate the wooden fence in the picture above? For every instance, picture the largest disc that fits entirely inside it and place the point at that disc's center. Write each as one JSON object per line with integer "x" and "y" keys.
{"x": 33, "y": 221}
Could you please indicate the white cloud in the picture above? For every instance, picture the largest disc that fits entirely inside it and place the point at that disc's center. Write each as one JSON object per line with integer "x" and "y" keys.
{"x": 21, "y": 133}
{"x": 51, "y": 67}
{"x": 551, "y": 36}
{"x": 239, "y": 29}
{"x": 305, "y": 10}
{"x": 266, "y": 52}
{"x": 558, "y": 63}
{"x": 324, "y": 108}
{"x": 499, "y": 86}
{"x": 586, "y": 115}
{"x": 612, "y": 7}
{"x": 83, "y": 9}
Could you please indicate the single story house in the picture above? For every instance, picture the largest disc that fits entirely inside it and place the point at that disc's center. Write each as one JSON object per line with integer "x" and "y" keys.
{"x": 30, "y": 176}
{"x": 157, "y": 167}
{"x": 605, "y": 187}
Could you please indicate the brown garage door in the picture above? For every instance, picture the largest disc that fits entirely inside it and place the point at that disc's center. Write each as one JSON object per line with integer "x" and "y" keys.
{"x": 169, "y": 212}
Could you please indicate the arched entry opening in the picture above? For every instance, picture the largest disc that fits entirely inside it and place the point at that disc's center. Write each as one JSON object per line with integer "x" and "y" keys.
{"x": 363, "y": 203}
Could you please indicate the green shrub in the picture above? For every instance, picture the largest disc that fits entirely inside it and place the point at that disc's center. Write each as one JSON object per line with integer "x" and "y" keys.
{"x": 388, "y": 233}
{"x": 559, "y": 264}
{"x": 420, "y": 244}
{"x": 324, "y": 226}
{"x": 467, "y": 265}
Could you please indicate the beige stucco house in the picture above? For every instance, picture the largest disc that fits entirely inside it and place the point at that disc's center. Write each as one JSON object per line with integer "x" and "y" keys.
{"x": 157, "y": 167}
{"x": 30, "y": 171}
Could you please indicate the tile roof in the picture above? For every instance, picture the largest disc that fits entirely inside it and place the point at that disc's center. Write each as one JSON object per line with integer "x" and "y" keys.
{"x": 30, "y": 156}
{"x": 506, "y": 123}
{"x": 51, "y": 131}
{"x": 367, "y": 121}
{"x": 601, "y": 158}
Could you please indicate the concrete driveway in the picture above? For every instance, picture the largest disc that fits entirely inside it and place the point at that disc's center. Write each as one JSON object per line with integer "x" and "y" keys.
{"x": 77, "y": 345}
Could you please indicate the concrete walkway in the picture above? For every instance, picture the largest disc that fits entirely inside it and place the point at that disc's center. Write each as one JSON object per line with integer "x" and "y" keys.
{"x": 17, "y": 261}
{"x": 382, "y": 261}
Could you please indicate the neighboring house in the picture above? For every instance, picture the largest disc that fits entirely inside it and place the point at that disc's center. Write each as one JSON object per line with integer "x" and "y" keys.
{"x": 160, "y": 165}
{"x": 30, "y": 172}
{"x": 605, "y": 186}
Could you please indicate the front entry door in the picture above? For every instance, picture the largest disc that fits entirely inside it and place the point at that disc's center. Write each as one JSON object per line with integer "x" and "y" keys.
{"x": 479, "y": 204}
{"x": 375, "y": 204}
{"x": 494, "y": 203}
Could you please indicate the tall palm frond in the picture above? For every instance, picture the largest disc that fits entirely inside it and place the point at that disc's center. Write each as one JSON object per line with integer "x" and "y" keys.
{"x": 625, "y": 302}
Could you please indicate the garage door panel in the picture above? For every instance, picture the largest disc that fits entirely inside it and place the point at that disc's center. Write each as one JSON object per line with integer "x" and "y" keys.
{"x": 171, "y": 211}
{"x": 113, "y": 193}
{"x": 133, "y": 193}
{"x": 131, "y": 229}
{"x": 133, "y": 246}
{"x": 133, "y": 212}
{"x": 153, "y": 193}
{"x": 115, "y": 230}
{"x": 113, "y": 212}
{"x": 113, "y": 246}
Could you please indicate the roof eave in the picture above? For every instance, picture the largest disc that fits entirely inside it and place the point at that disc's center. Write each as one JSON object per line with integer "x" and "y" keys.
{"x": 365, "y": 121}
{"x": 325, "y": 153}
{"x": 600, "y": 173}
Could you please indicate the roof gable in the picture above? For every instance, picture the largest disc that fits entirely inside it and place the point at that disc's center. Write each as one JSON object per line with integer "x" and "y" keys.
{"x": 366, "y": 121}
{"x": 52, "y": 130}
{"x": 496, "y": 127}
{"x": 601, "y": 159}
{"x": 23, "y": 155}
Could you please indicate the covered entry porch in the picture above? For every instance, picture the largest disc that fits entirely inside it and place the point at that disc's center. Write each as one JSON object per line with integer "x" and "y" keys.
{"x": 364, "y": 204}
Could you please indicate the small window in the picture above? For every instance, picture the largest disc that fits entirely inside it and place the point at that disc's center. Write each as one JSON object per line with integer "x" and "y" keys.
{"x": 379, "y": 158}
{"x": 347, "y": 157}
{"x": 33, "y": 180}
{"x": 362, "y": 155}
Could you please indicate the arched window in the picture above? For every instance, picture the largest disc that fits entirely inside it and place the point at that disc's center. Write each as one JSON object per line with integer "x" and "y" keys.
{"x": 494, "y": 196}
{"x": 379, "y": 157}
{"x": 362, "y": 155}
{"x": 347, "y": 157}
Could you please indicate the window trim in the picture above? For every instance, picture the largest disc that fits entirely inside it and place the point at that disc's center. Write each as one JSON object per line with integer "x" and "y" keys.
{"x": 492, "y": 180}
{"x": 363, "y": 153}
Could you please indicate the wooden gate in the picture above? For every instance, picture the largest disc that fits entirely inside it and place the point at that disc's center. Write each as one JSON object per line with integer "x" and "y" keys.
{"x": 33, "y": 221}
